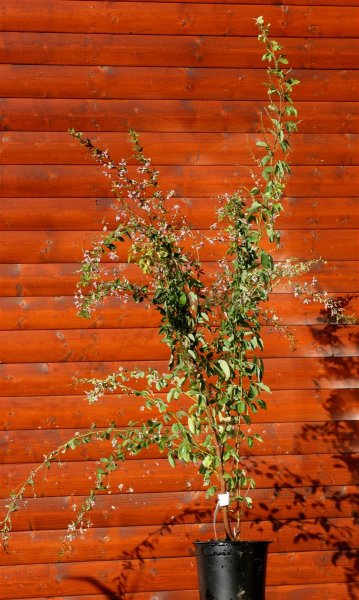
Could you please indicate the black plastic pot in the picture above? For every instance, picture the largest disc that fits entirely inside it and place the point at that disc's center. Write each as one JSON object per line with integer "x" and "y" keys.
{"x": 231, "y": 570}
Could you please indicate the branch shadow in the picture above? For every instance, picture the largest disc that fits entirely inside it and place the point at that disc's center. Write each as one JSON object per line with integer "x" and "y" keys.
{"x": 134, "y": 561}
{"x": 339, "y": 433}
{"x": 305, "y": 506}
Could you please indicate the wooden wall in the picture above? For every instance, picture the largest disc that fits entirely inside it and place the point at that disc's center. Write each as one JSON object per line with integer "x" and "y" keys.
{"x": 188, "y": 77}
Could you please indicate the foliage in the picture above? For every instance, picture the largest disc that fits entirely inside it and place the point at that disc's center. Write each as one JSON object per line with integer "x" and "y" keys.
{"x": 211, "y": 322}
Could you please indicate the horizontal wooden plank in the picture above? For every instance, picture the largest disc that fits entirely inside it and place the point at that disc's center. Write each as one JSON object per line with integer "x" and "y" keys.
{"x": 174, "y": 540}
{"x": 190, "y": 51}
{"x": 133, "y": 344}
{"x": 159, "y": 508}
{"x": 286, "y": 373}
{"x": 303, "y": 438}
{"x": 183, "y": 19}
{"x": 47, "y": 81}
{"x": 159, "y": 574}
{"x": 60, "y": 279}
{"x": 177, "y": 19}
{"x": 60, "y": 312}
{"x": 81, "y": 214}
{"x": 263, "y": 2}
{"x": 339, "y": 591}
{"x": 44, "y": 114}
{"x": 193, "y": 181}
{"x": 177, "y": 149}
{"x": 146, "y": 475}
{"x": 68, "y": 411}
{"x": 67, "y": 247}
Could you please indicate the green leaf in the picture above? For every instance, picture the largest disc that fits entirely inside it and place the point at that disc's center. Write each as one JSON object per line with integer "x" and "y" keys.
{"x": 225, "y": 368}
{"x": 241, "y": 406}
{"x": 254, "y": 207}
{"x": 171, "y": 394}
{"x": 267, "y": 260}
{"x": 182, "y": 300}
{"x": 207, "y": 461}
{"x": 254, "y": 191}
{"x": 191, "y": 425}
{"x": 211, "y": 491}
{"x": 264, "y": 387}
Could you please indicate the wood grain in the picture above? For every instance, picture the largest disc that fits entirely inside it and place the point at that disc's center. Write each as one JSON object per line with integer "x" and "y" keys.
{"x": 68, "y": 411}
{"x": 183, "y": 19}
{"x": 47, "y": 81}
{"x": 339, "y": 591}
{"x": 176, "y": 149}
{"x": 190, "y": 51}
{"x": 186, "y": 75}
{"x": 60, "y": 312}
{"x": 278, "y": 439}
{"x": 134, "y": 344}
{"x": 68, "y": 247}
{"x": 285, "y": 504}
{"x": 75, "y": 478}
{"x": 158, "y": 508}
{"x": 48, "y": 114}
{"x": 60, "y": 279}
{"x": 173, "y": 541}
{"x": 81, "y": 214}
{"x": 166, "y": 573}
{"x": 193, "y": 181}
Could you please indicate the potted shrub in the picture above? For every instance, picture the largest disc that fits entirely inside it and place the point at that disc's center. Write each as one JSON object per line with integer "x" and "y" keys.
{"x": 211, "y": 323}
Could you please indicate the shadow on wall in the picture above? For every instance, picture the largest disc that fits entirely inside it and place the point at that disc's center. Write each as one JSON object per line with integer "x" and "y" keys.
{"x": 133, "y": 562}
{"x": 307, "y": 509}
{"x": 340, "y": 432}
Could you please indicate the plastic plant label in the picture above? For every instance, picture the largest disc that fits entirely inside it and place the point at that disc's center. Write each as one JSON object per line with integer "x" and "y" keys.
{"x": 223, "y": 499}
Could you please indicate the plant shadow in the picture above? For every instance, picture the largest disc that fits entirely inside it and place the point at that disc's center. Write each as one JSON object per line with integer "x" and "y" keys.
{"x": 304, "y": 506}
{"x": 325, "y": 514}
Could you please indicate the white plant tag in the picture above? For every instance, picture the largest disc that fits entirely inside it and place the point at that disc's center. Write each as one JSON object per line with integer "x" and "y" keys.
{"x": 223, "y": 499}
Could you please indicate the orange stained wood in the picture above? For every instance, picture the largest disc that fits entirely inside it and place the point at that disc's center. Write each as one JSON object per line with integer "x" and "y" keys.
{"x": 51, "y": 114}
{"x": 145, "y": 344}
{"x": 177, "y": 18}
{"x": 287, "y": 592}
{"x": 168, "y": 573}
{"x": 70, "y": 410}
{"x": 34, "y": 313}
{"x": 175, "y": 539}
{"x": 188, "y": 76}
{"x": 61, "y": 279}
{"x": 191, "y": 51}
{"x": 81, "y": 214}
{"x": 86, "y": 180}
{"x": 144, "y": 475}
{"x": 56, "y": 378}
{"x": 65, "y": 247}
{"x": 27, "y": 81}
{"x": 278, "y": 439}
{"x": 175, "y": 148}
{"x": 287, "y": 504}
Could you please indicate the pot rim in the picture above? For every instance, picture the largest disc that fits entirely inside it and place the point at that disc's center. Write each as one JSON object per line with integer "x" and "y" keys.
{"x": 231, "y": 542}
